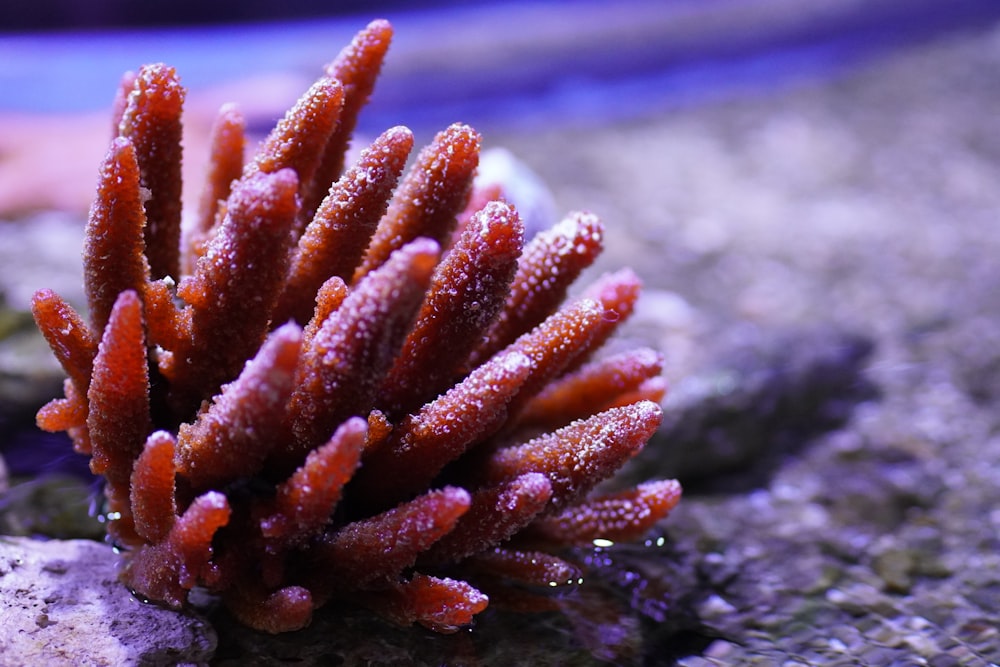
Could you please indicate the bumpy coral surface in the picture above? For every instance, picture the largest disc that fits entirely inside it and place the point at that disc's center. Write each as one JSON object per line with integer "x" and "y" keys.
{"x": 350, "y": 391}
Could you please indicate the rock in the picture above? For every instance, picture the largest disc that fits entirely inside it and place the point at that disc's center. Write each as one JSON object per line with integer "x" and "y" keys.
{"x": 61, "y": 604}
{"x": 521, "y": 187}
{"x": 731, "y": 424}
{"x": 52, "y": 505}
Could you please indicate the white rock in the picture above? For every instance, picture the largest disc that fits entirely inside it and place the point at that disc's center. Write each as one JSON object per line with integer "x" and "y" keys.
{"x": 61, "y": 603}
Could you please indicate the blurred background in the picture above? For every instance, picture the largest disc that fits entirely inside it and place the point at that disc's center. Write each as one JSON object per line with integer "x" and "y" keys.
{"x": 498, "y": 66}
{"x": 494, "y": 61}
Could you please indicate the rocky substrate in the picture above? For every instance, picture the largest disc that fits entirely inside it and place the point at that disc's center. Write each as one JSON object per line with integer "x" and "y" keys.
{"x": 61, "y": 604}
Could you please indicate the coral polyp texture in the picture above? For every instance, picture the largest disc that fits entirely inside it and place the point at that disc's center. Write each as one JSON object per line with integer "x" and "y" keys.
{"x": 342, "y": 382}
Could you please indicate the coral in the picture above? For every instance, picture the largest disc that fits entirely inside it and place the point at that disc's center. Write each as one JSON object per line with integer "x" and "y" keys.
{"x": 350, "y": 391}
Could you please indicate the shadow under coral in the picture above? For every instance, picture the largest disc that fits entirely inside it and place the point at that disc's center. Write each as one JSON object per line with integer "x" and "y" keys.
{"x": 636, "y": 606}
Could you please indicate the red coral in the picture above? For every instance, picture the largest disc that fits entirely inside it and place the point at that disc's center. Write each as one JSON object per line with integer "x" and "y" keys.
{"x": 151, "y": 121}
{"x": 118, "y": 415}
{"x": 336, "y": 238}
{"x": 336, "y": 388}
{"x": 225, "y": 163}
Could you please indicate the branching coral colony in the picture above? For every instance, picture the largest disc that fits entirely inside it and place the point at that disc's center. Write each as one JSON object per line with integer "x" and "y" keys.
{"x": 418, "y": 411}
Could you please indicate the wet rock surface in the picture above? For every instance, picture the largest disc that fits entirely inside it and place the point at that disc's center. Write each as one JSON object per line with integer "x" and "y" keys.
{"x": 61, "y": 604}
{"x": 836, "y": 241}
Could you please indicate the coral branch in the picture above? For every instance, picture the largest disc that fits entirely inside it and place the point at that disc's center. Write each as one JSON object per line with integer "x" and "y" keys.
{"x": 441, "y": 605}
{"x": 67, "y": 414}
{"x": 284, "y": 610}
{"x": 191, "y": 536}
{"x": 234, "y": 437}
{"x": 166, "y": 570}
{"x": 234, "y": 287}
{"x": 152, "y": 122}
{"x": 578, "y": 456}
{"x": 442, "y": 431}
{"x": 153, "y": 487}
{"x": 532, "y": 568}
{"x": 617, "y": 292}
{"x": 225, "y": 163}
{"x": 592, "y": 388}
{"x": 303, "y": 505}
{"x": 465, "y": 295}
{"x": 340, "y": 371}
{"x": 69, "y": 337}
{"x": 119, "y": 418}
{"x": 551, "y": 262}
{"x": 334, "y": 242}
{"x": 496, "y": 513}
{"x": 328, "y": 299}
{"x": 383, "y": 546}
{"x": 619, "y": 517}
{"x": 356, "y": 68}
{"x": 120, "y": 103}
{"x": 555, "y": 343}
{"x": 168, "y": 324}
{"x": 113, "y": 259}
{"x": 297, "y": 141}
{"x": 430, "y": 198}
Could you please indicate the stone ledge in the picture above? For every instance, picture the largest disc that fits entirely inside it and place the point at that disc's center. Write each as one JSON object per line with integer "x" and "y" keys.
{"x": 61, "y": 604}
